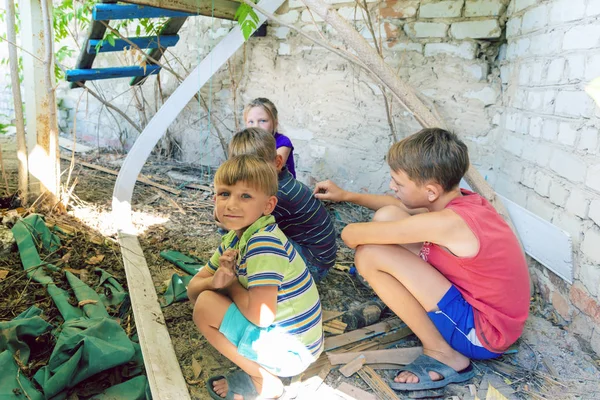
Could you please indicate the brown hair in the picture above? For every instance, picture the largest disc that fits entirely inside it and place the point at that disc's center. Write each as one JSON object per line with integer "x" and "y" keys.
{"x": 255, "y": 141}
{"x": 251, "y": 169}
{"x": 267, "y": 105}
{"x": 432, "y": 154}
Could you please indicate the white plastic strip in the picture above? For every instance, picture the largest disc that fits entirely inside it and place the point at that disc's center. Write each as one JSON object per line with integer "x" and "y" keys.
{"x": 156, "y": 128}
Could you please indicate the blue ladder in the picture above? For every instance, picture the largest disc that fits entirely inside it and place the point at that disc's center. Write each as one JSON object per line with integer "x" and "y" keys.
{"x": 108, "y": 10}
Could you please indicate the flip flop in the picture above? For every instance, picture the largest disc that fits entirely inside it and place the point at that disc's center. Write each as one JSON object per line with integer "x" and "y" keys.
{"x": 421, "y": 367}
{"x": 239, "y": 382}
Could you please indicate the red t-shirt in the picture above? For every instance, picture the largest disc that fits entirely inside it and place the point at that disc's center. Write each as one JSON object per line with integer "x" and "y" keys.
{"x": 495, "y": 282}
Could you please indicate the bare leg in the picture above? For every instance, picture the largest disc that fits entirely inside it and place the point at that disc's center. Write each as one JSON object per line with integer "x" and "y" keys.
{"x": 411, "y": 288}
{"x": 208, "y": 315}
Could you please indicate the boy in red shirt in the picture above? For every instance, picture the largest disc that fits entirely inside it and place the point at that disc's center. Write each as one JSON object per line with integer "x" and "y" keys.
{"x": 441, "y": 258}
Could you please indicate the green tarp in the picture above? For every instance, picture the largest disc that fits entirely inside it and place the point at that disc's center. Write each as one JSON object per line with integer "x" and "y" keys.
{"x": 88, "y": 342}
{"x": 186, "y": 263}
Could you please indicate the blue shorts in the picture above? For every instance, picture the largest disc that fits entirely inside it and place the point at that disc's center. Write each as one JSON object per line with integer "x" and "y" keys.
{"x": 456, "y": 323}
{"x": 278, "y": 352}
{"x": 317, "y": 272}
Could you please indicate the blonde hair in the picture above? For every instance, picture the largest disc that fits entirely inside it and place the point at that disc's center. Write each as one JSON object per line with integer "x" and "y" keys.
{"x": 266, "y": 105}
{"x": 432, "y": 154}
{"x": 250, "y": 169}
{"x": 254, "y": 141}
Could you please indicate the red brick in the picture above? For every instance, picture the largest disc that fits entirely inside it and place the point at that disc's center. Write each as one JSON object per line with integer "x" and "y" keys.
{"x": 561, "y": 305}
{"x": 584, "y": 302}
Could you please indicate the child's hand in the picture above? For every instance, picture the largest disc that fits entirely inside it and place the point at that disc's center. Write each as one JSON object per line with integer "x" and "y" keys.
{"x": 327, "y": 190}
{"x": 228, "y": 259}
{"x": 223, "y": 278}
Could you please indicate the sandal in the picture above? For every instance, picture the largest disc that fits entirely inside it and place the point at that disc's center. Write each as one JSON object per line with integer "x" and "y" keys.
{"x": 421, "y": 367}
{"x": 239, "y": 383}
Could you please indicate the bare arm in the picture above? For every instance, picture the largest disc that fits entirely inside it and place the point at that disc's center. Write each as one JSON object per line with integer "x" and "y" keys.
{"x": 200, "y": 282}
{"x": 444, "y": 228}
{"x": 327, "y": 190}
{"x": 284, "y": 152}
{"x": 258, "y": 304}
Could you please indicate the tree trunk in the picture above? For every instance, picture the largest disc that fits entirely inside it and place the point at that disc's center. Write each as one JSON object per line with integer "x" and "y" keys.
{"x": 401, "y": 90}
{"x": 18, "y": 102}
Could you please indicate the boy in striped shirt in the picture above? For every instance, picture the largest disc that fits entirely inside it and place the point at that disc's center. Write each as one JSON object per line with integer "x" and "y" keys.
{"x": 255, "y": 300}
{"x": 301, "y": 216}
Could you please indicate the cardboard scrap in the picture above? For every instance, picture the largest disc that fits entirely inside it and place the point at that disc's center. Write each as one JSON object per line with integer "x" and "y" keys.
{"x": 350, "y": 392}
{"x": 353, "y": 366}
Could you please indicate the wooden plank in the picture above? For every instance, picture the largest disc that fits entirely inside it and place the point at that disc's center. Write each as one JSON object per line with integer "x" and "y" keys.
{"x": 143, "y": 42}
{"x": 171, "y": 27}
{"x": 400, "y": 356}
{"x": 141, "y": 179}
{"x": 224, "y": 9}
{"x": 361, "y": 334}
{"x": 82, "y": 75}
{"x": 103, "y": 12}
{"x": 329, "y": 315}
{"x": 96, "y": 31}
{"x": 543, "y": 241}
{"x": 381, "y": 389}
{"x": 354, "y": 393}
{"x": 162, "y": 368}
{"x": 353, "y": 366}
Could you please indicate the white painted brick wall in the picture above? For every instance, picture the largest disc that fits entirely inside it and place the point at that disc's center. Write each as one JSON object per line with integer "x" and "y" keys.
{"x": 542, "y": 184}
{"x": 522, "y": 4}
{"x": 513, "y": 144}
{"x": 426, "y": 29}
{"x": 528, "y": 177}
{"x": 535, "y": 19}
{"x": 513, "y": 27}
{"x": 550, "y": 130}
{"x": 575, "y": 67}
{"x": 569, "y": 223}
{"x": 592, "y": 67}
{"x": 573, "y": 104}
{"x": 549, "y": 101}
{"x": 485, "y": 29}
{"x": 484, "y": 8}
{"x": 555, "y": 70}
{"x": 540, "y": 207}
{"x": 578, "y": 203}
{"x": 558, "y": 194}
{"x": 582, "y": 37}
{"x": 568, "y": 166}
{"x": 567, "y": 133}
{"x": 592, "y": 179}
{"x": 535, "y": 126}
{"x": 487, "y": 95}
{"x": 593, "y": 8}
{"x": 291, "y": 17}
{"x": 534, "y": 100}
{"x": 464, "y": 50}
{"x": 591, "y": 245}
{"x": 588, "y": 140}
{"x": 441, "y": 9}
{"x": 594, "y": 212}
{"x": 567, "y": 10}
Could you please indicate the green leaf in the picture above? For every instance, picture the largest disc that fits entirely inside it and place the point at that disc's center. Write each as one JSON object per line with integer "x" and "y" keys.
{"x": 253, "y": 15}
{"x": 111, "y": 40}
{"x": 138, "y": 30}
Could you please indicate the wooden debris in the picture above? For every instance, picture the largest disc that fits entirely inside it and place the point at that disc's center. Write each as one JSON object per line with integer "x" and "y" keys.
{"x": 84, "y": 302}
{"x": 500, "y": 387}
{"x": 548, "y": 364}
{"x": 354, "y": 393}
{"x": 140, "y": 178}
{"x": 199, "y": 187}
{"x": 3, "y": 274}
{"x": 329, "y": 315}
{"x": 343, "y": 268}
{"x": 364, "y": 333}
{"x": 378, "y": 385}
{"x": 336, "y": 327}
{"x": 388, "y": 366}
{"x": 196, "y": 367}
{"x": 494, "y": 394}
{"x": 392, "y": 356}
{"x": 353, "y": 366}
{"x": 95, "y": 259}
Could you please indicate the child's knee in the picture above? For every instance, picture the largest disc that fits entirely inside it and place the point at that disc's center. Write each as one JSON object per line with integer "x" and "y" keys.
{"x": 202, "y": 305}
{"x": 389, "y": 213}
{"x": 362, "y": 259}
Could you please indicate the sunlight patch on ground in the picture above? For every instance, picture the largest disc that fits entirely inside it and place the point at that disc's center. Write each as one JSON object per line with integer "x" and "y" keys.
{"x": 102, "y": 220}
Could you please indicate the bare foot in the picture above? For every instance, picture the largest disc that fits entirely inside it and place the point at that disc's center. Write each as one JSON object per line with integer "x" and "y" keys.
{"x": 274, "y": 390}
{"x": 455, "y": 360}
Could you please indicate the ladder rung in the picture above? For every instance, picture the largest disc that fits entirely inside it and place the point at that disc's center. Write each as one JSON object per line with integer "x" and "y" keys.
{"x": 76, "y": 75}
{"x": 103, "y": 12}
{"x": 145, "y": 42}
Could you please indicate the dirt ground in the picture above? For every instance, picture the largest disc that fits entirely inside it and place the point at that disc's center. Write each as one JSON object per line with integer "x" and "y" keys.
{"x": 550, "y": 363}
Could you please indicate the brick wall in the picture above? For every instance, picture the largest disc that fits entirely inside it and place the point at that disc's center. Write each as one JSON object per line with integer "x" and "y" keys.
{"x": 547, "y": 157}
